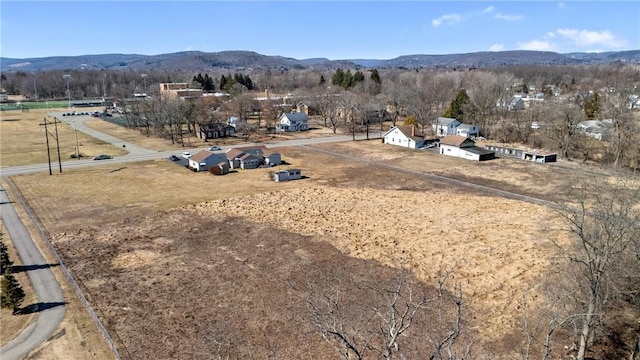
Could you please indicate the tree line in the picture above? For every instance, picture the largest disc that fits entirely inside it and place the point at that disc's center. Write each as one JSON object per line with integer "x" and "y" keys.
{"x": 478, "y": 97}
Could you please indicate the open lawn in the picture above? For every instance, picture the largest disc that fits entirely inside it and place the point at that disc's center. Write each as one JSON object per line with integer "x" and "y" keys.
{"x": 23, "y": 140}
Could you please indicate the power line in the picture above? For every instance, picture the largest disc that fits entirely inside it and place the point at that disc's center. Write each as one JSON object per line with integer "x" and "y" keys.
{"x": 55, "y": 136}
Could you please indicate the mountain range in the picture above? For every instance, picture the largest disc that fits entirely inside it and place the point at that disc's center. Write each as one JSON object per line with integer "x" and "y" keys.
{"x": 237, "y": 60}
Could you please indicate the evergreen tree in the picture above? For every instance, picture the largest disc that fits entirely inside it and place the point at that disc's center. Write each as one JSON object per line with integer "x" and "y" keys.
{"x": 223, "y": 82}
{"x": 358, "y": 77}
{"x": 347, "y": 80}
{"x": 247, "y": 82}
{"x": 207, "y": 84}
{"x": 5, "y": 262}
{"x": 375, "y": 77}
{"x": 592, "y": 107}
{"x": 338, "y": 77}
{"x": 455, "y": 110}
{"x": 322, "y": 80}
{"x": 11, "y": 294}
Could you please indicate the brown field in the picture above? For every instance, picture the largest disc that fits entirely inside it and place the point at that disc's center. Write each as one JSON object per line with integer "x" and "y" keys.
{"x": 174, "y": 260}
{"x": 23, "y": 140}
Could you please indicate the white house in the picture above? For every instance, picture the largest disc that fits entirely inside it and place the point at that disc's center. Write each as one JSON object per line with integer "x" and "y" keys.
{"x": 298, "y": 121}
{"x": 467, "y": 130}
{"x": 203, "y": 160}
{"x": 597, "y": 129}
{"x": 404, "y": 136}
{"x": 462, "y": 147}
{"x": 445, "y": 126}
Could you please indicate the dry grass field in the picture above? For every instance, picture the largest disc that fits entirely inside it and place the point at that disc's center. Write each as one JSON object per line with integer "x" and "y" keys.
{"x": 23, "y": 140}
{"x": 176, "y": 262}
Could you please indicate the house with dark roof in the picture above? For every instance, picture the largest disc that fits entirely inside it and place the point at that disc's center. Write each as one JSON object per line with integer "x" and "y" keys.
{"x": 297, "y": 121}
{"x": 463, "y": 147}
{"x": 204, "y": 159}
{"x": 252, "y": 157}
{"x": 404, "y": 136}
{"x": 215, "y": 131}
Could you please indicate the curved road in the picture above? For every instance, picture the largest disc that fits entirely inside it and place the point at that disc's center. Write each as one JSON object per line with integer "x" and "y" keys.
{"x": 44, "y": 283}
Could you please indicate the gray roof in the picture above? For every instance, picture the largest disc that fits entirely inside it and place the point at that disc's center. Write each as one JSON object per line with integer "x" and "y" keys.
{"x": 296, "y": 117}
{"x": 445, "y": 121}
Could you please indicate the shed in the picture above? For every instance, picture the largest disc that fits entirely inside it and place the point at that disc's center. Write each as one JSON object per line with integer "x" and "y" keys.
{"x": 539, "y": 156}
{"x": 286, "y": 175}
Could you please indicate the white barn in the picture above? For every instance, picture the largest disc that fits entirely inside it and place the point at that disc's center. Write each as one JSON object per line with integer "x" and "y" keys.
{"x": 465, "y": 148}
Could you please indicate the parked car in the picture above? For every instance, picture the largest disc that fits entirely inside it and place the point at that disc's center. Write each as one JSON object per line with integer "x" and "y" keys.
{"x": 186, "y": 154}
{"x": 214, "y": 148}
{"x": 102, "y": 157}
{"x": 174, "y": 158}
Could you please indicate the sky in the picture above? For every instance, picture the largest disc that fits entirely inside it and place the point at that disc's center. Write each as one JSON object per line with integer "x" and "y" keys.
{"x": 315, "y": 29}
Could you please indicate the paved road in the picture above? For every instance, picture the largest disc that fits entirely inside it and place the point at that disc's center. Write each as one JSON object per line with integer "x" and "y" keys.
{"x": 44, "y": 284}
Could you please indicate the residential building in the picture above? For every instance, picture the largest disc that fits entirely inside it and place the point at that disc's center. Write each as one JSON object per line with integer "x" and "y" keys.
{"x": 445, "y": 126}
{"x": 297, "y": 121}
{"x": 203, "y": 160}
{"x": 404, "y": 136}
{"x": 466, "y": 130}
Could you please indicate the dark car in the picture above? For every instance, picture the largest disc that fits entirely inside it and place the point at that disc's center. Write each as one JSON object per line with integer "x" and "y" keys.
{"x": 174, "y": 158}
{"x": 102, "y": 157}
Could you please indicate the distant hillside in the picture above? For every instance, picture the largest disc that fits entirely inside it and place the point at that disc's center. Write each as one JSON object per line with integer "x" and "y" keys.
{"x": 202, "y": 61}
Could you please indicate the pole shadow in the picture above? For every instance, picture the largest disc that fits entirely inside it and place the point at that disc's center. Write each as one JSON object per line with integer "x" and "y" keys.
{"x": 23, "y": 268}
{"x": 38, "y": 307}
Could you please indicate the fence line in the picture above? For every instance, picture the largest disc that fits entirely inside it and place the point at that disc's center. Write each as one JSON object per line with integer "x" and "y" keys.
{"x": 45, "y": 237}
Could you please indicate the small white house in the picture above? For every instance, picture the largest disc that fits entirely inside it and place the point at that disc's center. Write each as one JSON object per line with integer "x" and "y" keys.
{"x": 298, "y": 121}
{"x": 203, "y": 160}
{"x": 468, "y": 131}
{"x": 445, "y": 126}
{"x": 404, "y": 136}
{"x": 465, "y": 148}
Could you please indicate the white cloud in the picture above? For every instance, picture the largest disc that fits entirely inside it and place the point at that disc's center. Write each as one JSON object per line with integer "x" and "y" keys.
{"x": 561, "y": 5}
{"x": 496, "y": 47}
{"x": 539, "y": 45}
{"x": 589, "y": 38}
{"x": 448, "y": 19}
{"x": 550, "y": 35}
{"x": 487, "y": 10}
{"x": 507, "y": 17}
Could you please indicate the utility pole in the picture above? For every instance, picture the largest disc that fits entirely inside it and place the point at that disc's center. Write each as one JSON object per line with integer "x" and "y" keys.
{"x": 55, "y": 136}
{"x": 35, "y": 87}
{"x": 144, "y": 78}
{"x": 75, "y": 131}
{"x": 67, "y": 77}
{"x": 104, "y": 89}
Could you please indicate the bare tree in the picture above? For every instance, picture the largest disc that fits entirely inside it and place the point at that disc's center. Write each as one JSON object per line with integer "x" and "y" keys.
{"x": 604, "y": 225}
{"x": 562, "y": 126}
{"x": 388, "y": 317}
